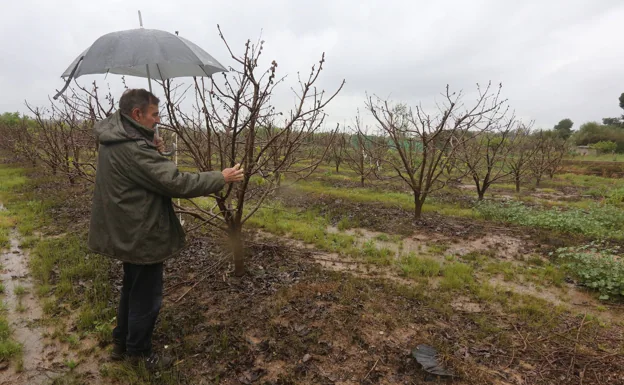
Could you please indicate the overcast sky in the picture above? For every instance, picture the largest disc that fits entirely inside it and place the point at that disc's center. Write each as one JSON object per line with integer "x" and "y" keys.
{"x": 555, "y": 59}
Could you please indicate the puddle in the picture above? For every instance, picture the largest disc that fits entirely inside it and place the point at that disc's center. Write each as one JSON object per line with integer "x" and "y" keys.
{"x": 503, "y": 246}
{"x": 43, "y": 358}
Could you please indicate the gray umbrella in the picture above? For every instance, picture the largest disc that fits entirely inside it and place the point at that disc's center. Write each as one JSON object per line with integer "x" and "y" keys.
{"x": 148, "y": 53}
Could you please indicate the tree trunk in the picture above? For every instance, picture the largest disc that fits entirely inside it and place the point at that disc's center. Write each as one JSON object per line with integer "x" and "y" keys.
{"x": 481, "y": 194}
{"x": 238, "y": 250}
{"x": 362, "y": 180}
{"x": 337, "y": 167}
{"x": 517, "y": 183}
{"x": 278, "y": 179}
{"x": 418, "y": 205}
{"x": 538, "y": 179}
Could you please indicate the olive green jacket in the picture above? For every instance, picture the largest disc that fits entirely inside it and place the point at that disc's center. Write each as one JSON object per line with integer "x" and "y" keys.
{"x": 132, "y": 216}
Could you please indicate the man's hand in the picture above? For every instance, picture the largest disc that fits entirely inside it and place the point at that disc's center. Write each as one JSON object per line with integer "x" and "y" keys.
{"x": 159, "y": 143}
{"x": 234, "y": 174}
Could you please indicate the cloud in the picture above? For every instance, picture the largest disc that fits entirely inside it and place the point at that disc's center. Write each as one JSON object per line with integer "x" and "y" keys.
{"x": 556, "y": 59}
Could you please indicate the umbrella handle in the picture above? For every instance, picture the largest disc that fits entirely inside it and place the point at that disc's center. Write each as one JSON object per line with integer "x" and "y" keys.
{"x": 170, "y": 153}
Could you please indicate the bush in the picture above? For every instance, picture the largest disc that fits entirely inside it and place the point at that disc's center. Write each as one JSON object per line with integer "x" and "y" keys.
{"x": 605, "y": 147}
{"x": 596, "y": 267}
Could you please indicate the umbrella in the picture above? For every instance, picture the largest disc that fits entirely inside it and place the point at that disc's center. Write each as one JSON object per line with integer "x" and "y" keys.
{"x": 147, "y": 53}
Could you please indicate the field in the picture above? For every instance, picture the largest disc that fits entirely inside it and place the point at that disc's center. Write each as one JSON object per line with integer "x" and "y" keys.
{"x": 342, "y": 285}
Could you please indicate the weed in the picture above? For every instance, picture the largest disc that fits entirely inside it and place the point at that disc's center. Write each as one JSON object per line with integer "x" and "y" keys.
{"x": 457, "y": 276}
{"x": 438, "y": 248}
{"x": 599, "y": 221}
{"x": 507, "y": 269}
{"x": 415, "y": 266}
{"x": 19, "y": 290}
{"x": 595, "y": 266}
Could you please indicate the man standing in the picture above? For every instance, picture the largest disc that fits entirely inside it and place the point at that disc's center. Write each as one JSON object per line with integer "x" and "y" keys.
{"x": 132, "y": 216}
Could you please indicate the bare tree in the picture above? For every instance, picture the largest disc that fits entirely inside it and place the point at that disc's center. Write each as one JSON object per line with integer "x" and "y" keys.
{"x": 19, "y": 137}
{"x": 235, "y": 122}
{"x": 62, "y": 136}
{"x": 361, "y": 155}
{"x": 484, "y": 157}
{"x": 521, "y": 155}
{"x": 338, "y": 149}
{"x": 423, "y": 144}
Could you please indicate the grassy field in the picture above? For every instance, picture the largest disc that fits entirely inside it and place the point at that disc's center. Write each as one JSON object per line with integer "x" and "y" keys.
{"x": 343, "y": 283}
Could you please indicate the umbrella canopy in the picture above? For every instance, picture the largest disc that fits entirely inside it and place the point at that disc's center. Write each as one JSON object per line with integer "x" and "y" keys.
{"x": 148, "y": 53}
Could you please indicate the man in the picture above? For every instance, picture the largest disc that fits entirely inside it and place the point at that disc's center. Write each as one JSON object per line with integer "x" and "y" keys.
{"x": 133, "y": 220}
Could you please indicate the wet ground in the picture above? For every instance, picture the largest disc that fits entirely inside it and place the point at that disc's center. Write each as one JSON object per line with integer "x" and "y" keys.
{"x": 42, "y": 358}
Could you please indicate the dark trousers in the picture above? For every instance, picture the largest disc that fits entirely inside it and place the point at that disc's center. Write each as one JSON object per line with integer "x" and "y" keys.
{"x": 139, "y": 305}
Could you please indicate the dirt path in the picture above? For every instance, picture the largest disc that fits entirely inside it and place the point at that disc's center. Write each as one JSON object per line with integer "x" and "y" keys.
{"x": 43, "y": 358}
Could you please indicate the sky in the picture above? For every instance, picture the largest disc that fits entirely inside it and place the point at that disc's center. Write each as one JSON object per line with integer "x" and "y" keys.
{"x": 555, "y": 59}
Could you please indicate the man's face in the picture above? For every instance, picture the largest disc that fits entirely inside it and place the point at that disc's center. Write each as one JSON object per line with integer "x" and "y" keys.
{"x": 148, "y": 118}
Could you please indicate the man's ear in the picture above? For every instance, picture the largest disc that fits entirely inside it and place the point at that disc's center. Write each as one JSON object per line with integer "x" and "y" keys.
{"x": 136, "y": 113}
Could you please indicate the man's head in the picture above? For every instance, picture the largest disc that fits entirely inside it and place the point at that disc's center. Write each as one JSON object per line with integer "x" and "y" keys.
{"x": 141, "y": 105}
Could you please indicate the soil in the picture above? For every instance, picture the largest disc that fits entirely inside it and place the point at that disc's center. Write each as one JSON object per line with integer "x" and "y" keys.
{"x": 43, "y": 358}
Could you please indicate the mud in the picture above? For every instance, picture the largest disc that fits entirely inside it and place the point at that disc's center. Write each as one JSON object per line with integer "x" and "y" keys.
{"x": 42, "y": 359}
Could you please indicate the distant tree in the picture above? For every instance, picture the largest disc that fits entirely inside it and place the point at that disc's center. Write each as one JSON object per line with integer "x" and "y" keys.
{"x": 619, "y": 121}
{"x": 421, "y": 143}
{"x": 605, "y": 147}
{"x": 564, "y": 128}
{"x": 616, "y": 122}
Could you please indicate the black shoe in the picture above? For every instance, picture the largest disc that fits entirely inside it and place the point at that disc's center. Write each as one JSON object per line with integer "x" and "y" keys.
{"x": 153, "y": 362}
{"x": 119, "y": 352}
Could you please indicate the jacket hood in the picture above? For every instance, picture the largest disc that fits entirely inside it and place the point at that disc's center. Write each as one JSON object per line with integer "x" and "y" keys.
{"x": 121, "y": 128}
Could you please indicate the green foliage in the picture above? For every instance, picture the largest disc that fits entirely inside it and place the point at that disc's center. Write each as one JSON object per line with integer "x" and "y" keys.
{"x": 605, "y": 147}
{"x": 599, "y": 221}
{"x": 564, "y": 128}
{"x": 595, "y": 266}
{"x": 593, "y": 132}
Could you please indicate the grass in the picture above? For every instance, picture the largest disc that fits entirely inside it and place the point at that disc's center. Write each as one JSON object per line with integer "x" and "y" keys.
{"x": 457, "y": 276}
{"x": 75, "y": 264}
{"x": 9, "y": 349}
{"x": 19, "y": 291}
{"x": 414, "y": 266}
{"x": 58, "y": 265}
{"x": 385, "y": 198}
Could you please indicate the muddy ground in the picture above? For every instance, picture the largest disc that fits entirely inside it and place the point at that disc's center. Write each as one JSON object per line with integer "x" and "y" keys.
{"x": 302, "y": 316}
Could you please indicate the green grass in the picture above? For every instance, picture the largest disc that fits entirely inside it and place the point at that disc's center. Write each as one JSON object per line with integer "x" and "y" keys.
{"x": 11, "y": 177}
{"x": 414, "y": 266}
{"x": 507, "y": 269}
{"x": 457, "y": 276}
{"x": 385, "y": 198}
{"x": 8, "y": 348}
{"x": 19, "y": 290}
{"x": 438, "y": 248}
{"x": 58, "y": 265}
{"x": 74, "y": 263}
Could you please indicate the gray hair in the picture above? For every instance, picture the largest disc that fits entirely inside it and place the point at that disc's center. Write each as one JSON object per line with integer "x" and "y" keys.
{"x": 136, "y": 98}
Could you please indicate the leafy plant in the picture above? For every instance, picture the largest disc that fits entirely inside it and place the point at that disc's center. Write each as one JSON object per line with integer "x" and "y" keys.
{"x": 599, "y": 221}
{"x": 595, "y": 266}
